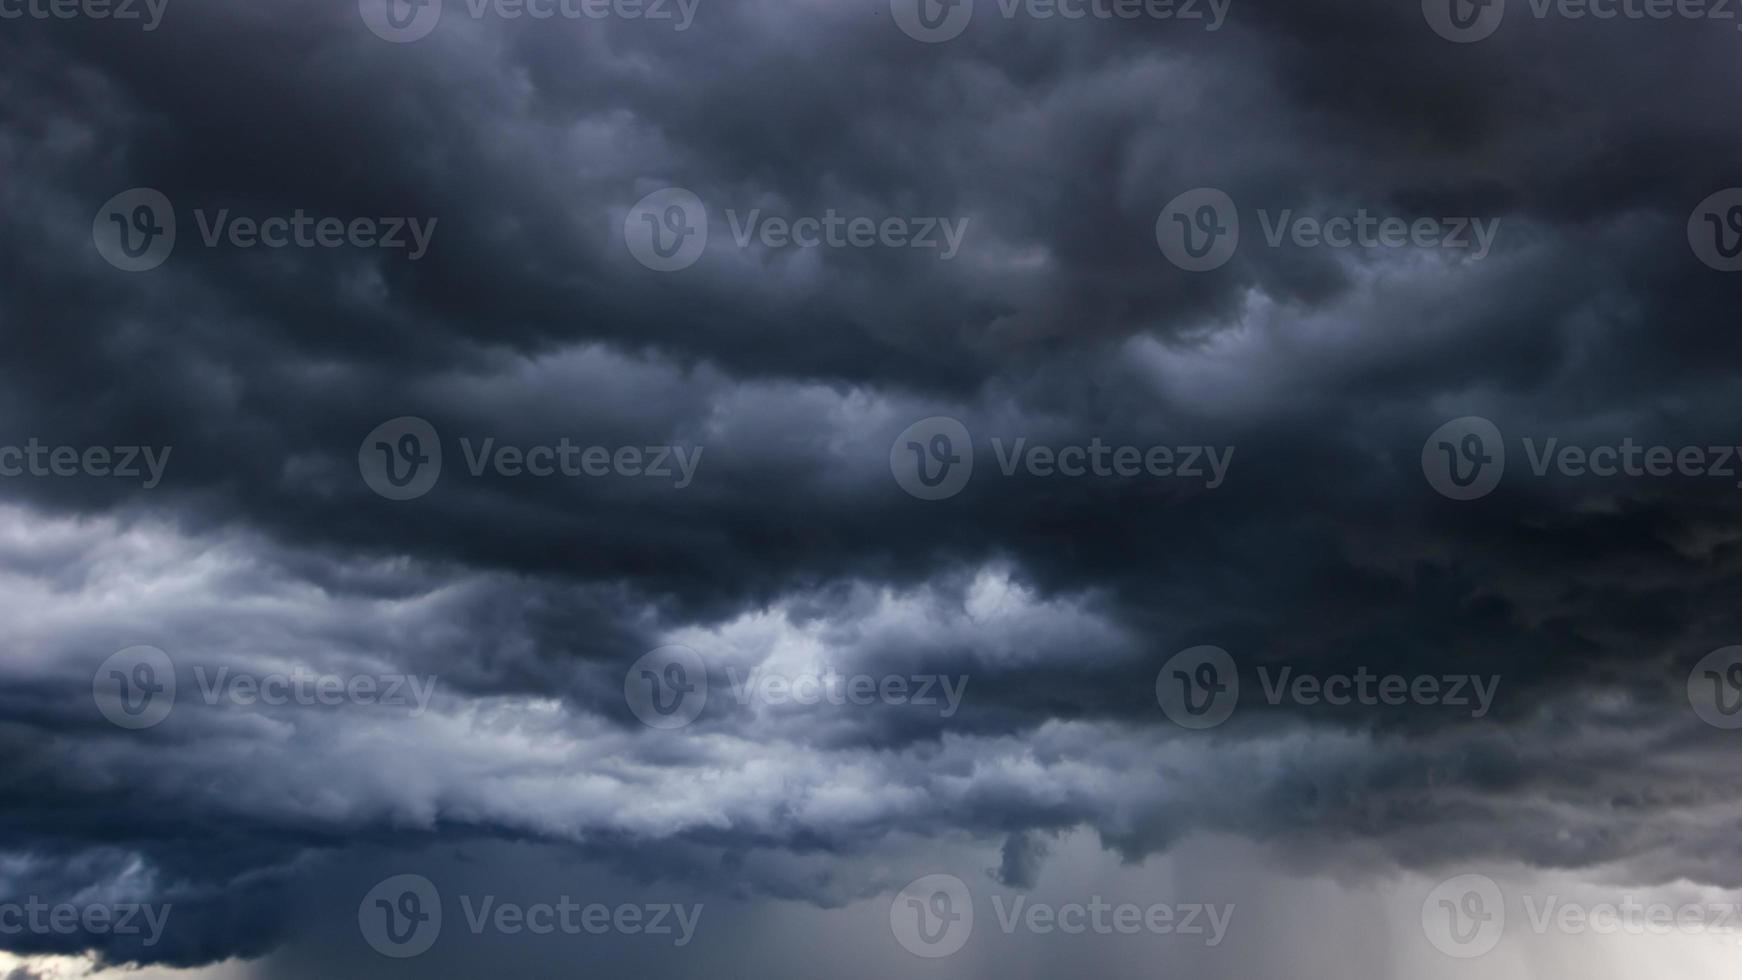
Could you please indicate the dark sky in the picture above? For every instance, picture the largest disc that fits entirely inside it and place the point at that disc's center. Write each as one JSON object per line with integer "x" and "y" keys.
{"x": 780, "y": 386}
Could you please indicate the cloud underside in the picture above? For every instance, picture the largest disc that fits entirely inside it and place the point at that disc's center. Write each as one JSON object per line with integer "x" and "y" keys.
{"x": 794, "y": 551}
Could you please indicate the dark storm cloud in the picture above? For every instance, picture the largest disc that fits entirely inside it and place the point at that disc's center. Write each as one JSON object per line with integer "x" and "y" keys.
{"x": 1022, "y": 856}
{"x": 1059, "y": 321}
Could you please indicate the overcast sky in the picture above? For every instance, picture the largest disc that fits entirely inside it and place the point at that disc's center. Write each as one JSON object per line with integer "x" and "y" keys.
{"x": 824, "y": 466}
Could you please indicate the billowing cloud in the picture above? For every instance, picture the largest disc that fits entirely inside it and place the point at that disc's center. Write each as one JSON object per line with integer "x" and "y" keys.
{"x": 891, "y": 683}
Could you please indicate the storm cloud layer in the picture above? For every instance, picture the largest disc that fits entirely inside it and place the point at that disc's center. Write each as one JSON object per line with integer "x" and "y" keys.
{"x": 752, "y": 411}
